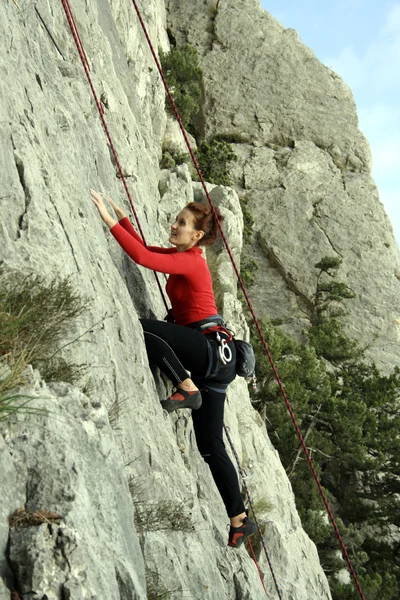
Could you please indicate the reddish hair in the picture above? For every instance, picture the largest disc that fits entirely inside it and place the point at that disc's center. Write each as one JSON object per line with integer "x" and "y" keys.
{"x": 204, "y": 220}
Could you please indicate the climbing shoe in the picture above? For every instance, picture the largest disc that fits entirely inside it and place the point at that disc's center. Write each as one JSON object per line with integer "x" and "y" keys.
{"x": 182, "y": 399}
{"x": 237, "y": 535}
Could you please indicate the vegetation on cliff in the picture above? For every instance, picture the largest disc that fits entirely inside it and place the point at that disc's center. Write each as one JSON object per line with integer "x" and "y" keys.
{"x": 184, "y": 78}
{"x": 36, "y": 315}
{"x": 349, "y": 413}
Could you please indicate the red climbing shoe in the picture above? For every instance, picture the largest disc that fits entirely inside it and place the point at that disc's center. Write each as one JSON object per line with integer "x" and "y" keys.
{"x": 237, "y": 535}
{"x": 182, "y": 399}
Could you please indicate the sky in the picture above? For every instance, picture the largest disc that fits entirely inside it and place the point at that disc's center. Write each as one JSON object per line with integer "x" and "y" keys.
{"x": 360, "y": 40}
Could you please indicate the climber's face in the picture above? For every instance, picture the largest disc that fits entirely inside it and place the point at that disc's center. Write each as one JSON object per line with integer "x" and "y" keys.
{"x": 183, "y": 232}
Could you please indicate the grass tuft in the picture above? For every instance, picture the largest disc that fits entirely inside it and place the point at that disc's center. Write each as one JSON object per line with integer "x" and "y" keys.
{"x": 35, "y": 317}
{"x": 163, "y": 515}
{"x": 155, "y": 588}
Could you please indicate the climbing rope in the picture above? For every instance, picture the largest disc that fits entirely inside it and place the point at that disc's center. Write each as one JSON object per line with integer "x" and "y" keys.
{"x": 257, "y": 325}
{"x": 100, "y": 108}
{"x": 257, "y": 565}
{"x": 83, "y": 57}
{"x": 243, "y": 475}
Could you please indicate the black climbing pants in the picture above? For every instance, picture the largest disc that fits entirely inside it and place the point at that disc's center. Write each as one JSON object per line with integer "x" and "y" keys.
{"x": 176, "y": 350}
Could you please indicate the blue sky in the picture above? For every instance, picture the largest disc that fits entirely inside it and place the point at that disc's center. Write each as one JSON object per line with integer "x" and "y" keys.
{"x": 360, "y": 40}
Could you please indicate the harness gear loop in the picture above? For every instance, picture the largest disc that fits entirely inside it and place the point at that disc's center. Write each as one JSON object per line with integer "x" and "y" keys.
{"x": 225, "y": 353}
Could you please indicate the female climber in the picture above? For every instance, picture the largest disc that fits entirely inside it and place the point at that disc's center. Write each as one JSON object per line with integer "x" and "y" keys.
{"x": 180, "y": 347}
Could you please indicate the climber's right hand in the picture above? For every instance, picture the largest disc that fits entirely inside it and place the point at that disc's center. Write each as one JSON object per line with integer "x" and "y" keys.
{"x": 119, "y": 213}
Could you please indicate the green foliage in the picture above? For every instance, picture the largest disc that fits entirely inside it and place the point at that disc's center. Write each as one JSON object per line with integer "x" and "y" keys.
{"x": 327, "y": 334}
{"x": 350, "y": 419}
{"x": 330, "y": 341}
{"x": 171, "y": 159}
{"x": 35, "y": 316}
{"x": 163, "y": 515}
{"x": 328, "y": 263}
{"x": 248, "y": 219}
{"x": 213, "y": 158}
{"x": 233, "y": 137}
{"x": 248, "y": 271}
{"x": 184, "y": 77}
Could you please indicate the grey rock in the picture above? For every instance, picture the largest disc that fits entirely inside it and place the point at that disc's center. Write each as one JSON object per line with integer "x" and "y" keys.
{"x": 53, "y": 150}
{"x": 174, "y": 141}
{"x": 93, "y": 547}
{"x": 306, "y": 173}
{"x": 278, "y": 89}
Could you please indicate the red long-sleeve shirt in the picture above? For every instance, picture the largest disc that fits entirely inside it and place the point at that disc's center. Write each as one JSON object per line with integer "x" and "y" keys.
{"x": 189, "y": 285}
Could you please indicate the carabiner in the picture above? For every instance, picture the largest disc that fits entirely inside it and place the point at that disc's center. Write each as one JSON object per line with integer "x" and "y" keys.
{"x": 225, "y": 353}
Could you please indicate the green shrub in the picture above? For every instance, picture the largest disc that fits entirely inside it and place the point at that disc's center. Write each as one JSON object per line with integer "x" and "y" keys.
{"x": 35, "y": 317}
{"x": 248, "y": 271}
{"x": 171, "y": 159}
{"x": 163, "y": 515}
{"x": 248, "y": 219}
{"x": 184, "y": 77}
{"x": 233, "y": 137}
{"x": 213, "y": 159}
{"x": 350, "y": 419}
{"x": 330, "y": 341}
{"x": 327, "y": 334}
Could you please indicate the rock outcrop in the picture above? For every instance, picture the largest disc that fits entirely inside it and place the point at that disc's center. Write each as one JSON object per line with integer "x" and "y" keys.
{"x": 303, "y": 165}
{"x": 72, "y": 531}
{"x": 53, "y": 149}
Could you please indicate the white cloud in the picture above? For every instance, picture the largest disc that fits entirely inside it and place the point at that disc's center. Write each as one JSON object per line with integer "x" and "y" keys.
{"x": 349, "y": 66}
{"x": 386, "y": 157}
{"x": 379, "y": 63}
{"x": 393, "y": 18}
{"x": 378, "y": 117}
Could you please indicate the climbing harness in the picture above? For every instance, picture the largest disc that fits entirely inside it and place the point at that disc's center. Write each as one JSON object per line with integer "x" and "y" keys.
{"x": 83, "y": 57}
{"x": 215, "y": 325}
{"x": 224, "y": 352}
{"x": 245, "y": 359}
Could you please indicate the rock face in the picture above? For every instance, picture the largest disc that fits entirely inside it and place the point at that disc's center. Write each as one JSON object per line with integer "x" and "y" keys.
{"x": 304, "y": 167}
{"x": 66, "y": 462}
{"x": 53, "y": 150}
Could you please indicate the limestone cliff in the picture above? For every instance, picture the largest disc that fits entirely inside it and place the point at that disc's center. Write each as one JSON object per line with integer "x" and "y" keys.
{"x": 304, "y": 167}
{"x": 69, "y": 461}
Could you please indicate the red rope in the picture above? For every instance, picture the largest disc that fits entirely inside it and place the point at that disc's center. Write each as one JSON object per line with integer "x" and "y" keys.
{"x": 77, "y": 37}
{"x": 254, "y": 516}
{"x": 264, "y": 343}
{"x": 257, "y": 565}
{"x": 85, "y": 63}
